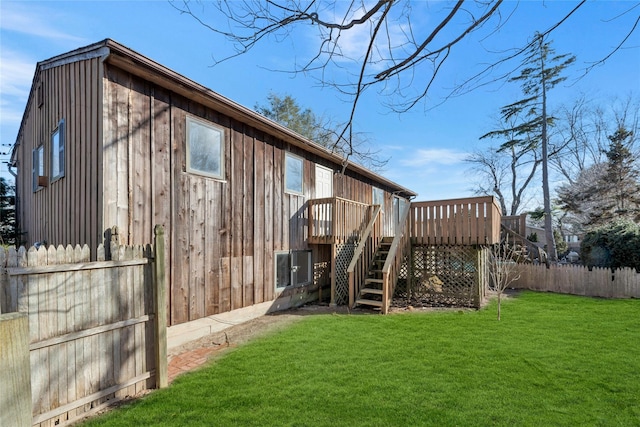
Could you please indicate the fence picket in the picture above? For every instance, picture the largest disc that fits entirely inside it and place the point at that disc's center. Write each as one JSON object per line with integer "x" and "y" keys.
{"x": 69, "y": 367}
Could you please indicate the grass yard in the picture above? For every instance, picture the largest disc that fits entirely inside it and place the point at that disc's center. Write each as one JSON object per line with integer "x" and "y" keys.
{"x": 552, "y": 360}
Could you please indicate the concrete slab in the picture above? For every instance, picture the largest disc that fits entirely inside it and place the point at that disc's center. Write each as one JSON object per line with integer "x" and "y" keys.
{"x": 183, "y": 333}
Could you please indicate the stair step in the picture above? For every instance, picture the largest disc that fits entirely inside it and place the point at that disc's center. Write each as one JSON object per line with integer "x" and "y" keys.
{"x": 367, "y": 281}
{"x": 363, "y": 301}
{"x": 370, "y": 291}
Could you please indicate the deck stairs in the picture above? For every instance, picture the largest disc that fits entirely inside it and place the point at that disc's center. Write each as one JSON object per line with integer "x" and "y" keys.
{"x": 371, "y": 293}
{"x": 526, "y": 250}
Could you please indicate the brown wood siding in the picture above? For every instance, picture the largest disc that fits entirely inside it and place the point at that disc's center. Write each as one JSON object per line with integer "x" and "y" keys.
{"x": 126, "y": 166}
{"x": 67, "y": 210}
{"x": 224, "y": 231}
{"x": 136, "y": 160}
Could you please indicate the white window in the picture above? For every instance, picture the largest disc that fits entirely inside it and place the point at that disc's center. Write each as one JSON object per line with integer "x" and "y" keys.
{"x": 293, "y": 268}
{"x": 37, "y": 171}
{"x": 378, "y": 197}
{"x": 205, "y": 148}
{"x": 57, "y": 152}
{"x": 293, "y": 173}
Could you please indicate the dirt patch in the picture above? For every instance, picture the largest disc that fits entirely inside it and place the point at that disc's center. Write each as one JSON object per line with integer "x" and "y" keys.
{"x": 241, "y": 333}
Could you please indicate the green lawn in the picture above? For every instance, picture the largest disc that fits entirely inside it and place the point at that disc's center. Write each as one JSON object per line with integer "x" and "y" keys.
{"x": 552, "y": 360}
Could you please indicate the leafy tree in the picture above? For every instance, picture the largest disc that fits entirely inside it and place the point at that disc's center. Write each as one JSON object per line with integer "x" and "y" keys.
{"x": 561, "y": 245}
{"x": 541, "y": 72}
{"x": 579, "y": 198}
{"x": 613, "y": 245}
{"x": 7, "y": 213}
{"x": 286, "y": 111}
{"x": 608, "y": 190}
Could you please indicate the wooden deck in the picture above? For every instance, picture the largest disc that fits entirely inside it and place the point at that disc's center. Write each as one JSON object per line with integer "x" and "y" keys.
{"x": 468, "y": 221}
{"x": 456, "y": 222}
{"x": 336, "y": 220}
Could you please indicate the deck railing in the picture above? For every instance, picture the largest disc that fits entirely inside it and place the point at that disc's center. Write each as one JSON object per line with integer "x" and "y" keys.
{"x": 517, "y": 223}
{"x": 469, "y": 221}
{"x": 337, "y": 220}
{"x": 400, "y": 247}
{"x": 364, "y": 254}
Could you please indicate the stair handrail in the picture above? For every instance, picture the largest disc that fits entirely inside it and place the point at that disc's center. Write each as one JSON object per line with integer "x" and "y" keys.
{"x": 367, "y": 237}
{"x": 531, "y": 247}
{"x": 399, "y": 247}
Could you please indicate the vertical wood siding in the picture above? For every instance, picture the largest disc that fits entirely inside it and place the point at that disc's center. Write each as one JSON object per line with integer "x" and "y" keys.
{"x": 126, "y": 166}
{"x": 66, "y": 210}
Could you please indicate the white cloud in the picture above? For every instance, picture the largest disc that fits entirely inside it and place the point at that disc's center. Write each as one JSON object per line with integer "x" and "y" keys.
{"x": 353, "y": 43}
{"x": 440, "y": 156}
{"x": 16, "y": 73}
{"x": 33, "y": 22}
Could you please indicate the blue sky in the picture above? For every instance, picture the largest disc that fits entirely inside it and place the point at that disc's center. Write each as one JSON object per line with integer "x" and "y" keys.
{"x": 426, "y": 146}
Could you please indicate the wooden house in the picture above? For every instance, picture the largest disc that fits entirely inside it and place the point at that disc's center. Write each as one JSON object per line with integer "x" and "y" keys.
{"x": 252, "y": 211}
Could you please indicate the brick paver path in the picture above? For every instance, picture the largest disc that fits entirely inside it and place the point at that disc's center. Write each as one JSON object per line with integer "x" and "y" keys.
{"x": 189, "y": 360}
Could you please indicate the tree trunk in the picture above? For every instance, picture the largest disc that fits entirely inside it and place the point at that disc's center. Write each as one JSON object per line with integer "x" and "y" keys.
{"x": 552, "y": 255}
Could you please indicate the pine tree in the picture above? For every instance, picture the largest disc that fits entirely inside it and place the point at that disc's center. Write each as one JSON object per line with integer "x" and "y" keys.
{"x": 618, "y": 193}
{"x": 7, "y": 213}
{"x": 541, "y": 72}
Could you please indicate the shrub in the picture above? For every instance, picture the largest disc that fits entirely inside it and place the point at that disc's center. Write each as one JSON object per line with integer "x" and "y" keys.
{"x": 613, "y": 245}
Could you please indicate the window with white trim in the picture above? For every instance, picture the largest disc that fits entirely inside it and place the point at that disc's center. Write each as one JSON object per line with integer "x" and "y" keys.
{"x": 293, "y": 268}
{"x": 37, "y": 171}
{"x": 57, "y": 152}
{"x": 293, "y": 174}
{"x": 205, "y": 148}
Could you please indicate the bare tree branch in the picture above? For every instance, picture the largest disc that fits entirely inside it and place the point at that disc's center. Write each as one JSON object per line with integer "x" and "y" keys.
{"x": 400, "y": 57}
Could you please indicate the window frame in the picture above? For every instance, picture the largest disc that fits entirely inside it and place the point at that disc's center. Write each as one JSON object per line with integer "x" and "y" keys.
{"x": 292, "y": 257}
{"x": 37, "y": 167}
{"x": 221, "y": 151}
{"x": 57, "y": 158}
{"x": 296, "y": 191}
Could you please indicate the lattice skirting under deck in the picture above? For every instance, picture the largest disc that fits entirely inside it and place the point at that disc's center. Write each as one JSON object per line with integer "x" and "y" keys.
{"x": 344, "y": 254}
{"x": 443, "y": 276}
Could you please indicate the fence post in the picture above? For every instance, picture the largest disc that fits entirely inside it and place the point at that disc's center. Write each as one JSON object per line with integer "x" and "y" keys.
{"x": 15, "y": 381}
{"x": 160, "y": 302}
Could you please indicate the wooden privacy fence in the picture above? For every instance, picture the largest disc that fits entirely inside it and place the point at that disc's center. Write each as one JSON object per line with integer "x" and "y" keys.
{"x": 579, "y": 280}
{"x": 97, "y": 330}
